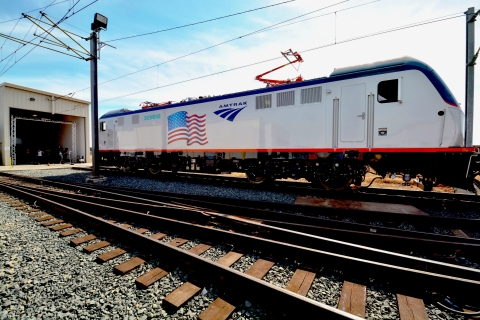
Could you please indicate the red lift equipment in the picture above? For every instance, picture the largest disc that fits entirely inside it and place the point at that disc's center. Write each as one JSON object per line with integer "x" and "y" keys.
{"x": 286, "y": 54}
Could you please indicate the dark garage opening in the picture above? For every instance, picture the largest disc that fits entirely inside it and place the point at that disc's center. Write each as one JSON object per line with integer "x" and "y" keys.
{"x": 47, "y": 136}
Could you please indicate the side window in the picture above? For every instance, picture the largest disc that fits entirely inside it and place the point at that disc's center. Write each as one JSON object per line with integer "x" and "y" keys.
{"x": 387, "y": 91}
{"x": 103, "y": 126}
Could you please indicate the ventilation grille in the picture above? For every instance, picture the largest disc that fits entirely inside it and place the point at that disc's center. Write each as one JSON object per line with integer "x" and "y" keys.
{"x": 135, "y": 119}
{"x": 286, "y": 98}
{"x": 120, "y": 121}
{"x": 312, "y": 95}
{"x": 263, "y": 102}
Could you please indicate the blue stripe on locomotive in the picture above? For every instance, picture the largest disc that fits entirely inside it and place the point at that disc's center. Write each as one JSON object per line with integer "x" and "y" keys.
{"x": 389, "y": 66}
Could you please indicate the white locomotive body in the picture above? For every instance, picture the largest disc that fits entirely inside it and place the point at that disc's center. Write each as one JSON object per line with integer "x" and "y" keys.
{"x": 397, "y": 116}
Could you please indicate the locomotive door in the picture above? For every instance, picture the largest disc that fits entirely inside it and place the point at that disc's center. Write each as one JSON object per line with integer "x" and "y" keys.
{"x": 352, "y": 116}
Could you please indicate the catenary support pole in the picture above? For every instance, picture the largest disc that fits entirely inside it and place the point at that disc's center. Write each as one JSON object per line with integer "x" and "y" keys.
{"x": 469, "y": 76}
{"x": 94, "y": 103}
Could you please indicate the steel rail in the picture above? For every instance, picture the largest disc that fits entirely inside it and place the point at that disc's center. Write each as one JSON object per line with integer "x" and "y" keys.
{"x": 219, "y": 203}
{"x": 245, "y": 286}
{"x": 358, "y": 268}
{"x": 363, "y": 193}
{"x": 383, "y": 238}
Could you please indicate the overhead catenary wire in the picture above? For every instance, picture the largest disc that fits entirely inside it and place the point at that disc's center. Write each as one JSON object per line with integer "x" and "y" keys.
{"x": 42, "y": 8}
{"x": 200, "y": 22}
{"x": 37, "y": 36}
{"x": 227, "y": 41}
{"x": 418, "y": 24}
{"x": 2, "y": 72}
{"x": 20, "y": 46}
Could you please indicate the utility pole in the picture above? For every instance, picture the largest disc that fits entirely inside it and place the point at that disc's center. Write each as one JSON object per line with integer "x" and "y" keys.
{"x": 471, "y": 15}
{"x": 94, "y": 104}
{"x": 99, "y": 22}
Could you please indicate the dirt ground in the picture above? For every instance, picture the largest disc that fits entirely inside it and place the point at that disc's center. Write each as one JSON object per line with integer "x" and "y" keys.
{"x": 386, "y": 183}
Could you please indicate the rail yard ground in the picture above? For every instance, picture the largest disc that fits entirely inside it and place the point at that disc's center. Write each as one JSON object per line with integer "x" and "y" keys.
{"x": 43, "y": 277}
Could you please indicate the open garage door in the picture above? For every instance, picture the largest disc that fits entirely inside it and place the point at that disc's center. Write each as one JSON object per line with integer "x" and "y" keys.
{"x": 30, "y": 134}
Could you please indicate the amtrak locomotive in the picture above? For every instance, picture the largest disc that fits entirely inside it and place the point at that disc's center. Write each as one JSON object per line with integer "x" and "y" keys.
{"x": 395, "y": 116}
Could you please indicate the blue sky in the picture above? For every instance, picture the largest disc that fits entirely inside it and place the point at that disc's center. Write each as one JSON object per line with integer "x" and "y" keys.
{"x": 441, "y": 44}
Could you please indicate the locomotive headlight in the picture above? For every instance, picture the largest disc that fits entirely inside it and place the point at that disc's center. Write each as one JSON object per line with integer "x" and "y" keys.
{"x": 337, "y": 165}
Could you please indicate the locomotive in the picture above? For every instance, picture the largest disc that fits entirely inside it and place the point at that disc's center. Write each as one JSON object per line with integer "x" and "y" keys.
{"x": 395, "y": 117}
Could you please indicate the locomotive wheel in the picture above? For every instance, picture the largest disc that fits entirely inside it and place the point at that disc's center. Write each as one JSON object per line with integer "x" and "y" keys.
{"x": 154, "y": 170}
{"x": 257, "y": 176}
{"x": 333, "y": 178}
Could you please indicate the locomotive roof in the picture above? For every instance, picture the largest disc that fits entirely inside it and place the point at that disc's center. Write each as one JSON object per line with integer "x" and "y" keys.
{"x": 363, "y": 70}
{"x": 379, "y": 65}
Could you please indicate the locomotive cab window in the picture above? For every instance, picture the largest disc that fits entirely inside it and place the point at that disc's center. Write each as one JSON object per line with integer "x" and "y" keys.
{"x": 387, "y": 91}
{"x": 103, "y": 126}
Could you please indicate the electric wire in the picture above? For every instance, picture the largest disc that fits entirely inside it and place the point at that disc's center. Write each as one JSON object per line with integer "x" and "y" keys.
{"x": 222, "y": 43}
{"x": 322, "y": 15}
{"x": 200, "y": 22}
{"x": 385, "y": 31}
{"x": 303, "y": 51}
{"x": 42, "y": 8}
{"x": 21, "y": 46}
{"x": 1, "y": 47}
{"x": 37, "y": 36}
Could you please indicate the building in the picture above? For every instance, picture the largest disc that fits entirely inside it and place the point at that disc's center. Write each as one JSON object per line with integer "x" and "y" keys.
{"x": 32, "y": 119}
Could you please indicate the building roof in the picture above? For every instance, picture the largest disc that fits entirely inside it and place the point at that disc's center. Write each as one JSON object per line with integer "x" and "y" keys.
{"x": 55, "y": 95}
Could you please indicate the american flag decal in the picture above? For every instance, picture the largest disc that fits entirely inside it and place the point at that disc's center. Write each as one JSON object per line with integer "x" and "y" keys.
{"x": 181, "y": 126}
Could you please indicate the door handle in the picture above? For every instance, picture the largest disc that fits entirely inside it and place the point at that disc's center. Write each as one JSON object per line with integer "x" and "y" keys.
{"x": 362, "y": 115}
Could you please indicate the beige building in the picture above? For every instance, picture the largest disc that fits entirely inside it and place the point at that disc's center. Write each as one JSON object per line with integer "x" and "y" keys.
{"x": 32, "y": 119}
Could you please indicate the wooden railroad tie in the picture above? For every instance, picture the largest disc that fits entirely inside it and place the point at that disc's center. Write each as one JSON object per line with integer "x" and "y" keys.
{"x": 230, "y": 258}
{"x": 78, "y": 241}
{"x": 181, "y": 295}
{"x": 200, "y": 248}
{"x": 96, "y": 246}
{"x": 217, "y": 310}
{"x": 70, "y": 232}
{"x": 107, "y": 256}
{"x": 128, "y": 266}
{"x": 158, "y": 236}
{"x": 411, "y": 308}
{"x": 178, "y": 242}
{"x": 141, "y": 230}
{"x": 51, "y": 223}
{"x": 301, "y": 282}
{"x": 353, "y": 298}
{"x": 17, "y": 205}
{"x": 38, "y": 214}
{"x": 150, "y": 277}
{"x": 61, "y": 227}
{"x": 45, "y": 218}
{"x": 260, "y": 268}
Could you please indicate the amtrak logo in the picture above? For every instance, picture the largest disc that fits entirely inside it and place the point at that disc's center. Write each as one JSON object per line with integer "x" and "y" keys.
{"x": 230, "y": 110}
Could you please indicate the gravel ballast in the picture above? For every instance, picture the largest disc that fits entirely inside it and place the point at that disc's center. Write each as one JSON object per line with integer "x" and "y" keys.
{"x": 46, "y": 278}
{"x": 43, "y": 277}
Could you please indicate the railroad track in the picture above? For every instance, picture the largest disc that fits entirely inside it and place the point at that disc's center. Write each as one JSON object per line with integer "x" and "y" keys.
{"x": 338, "y": 225}
{"x": 412, "y": 278}
{"x": 436, "y": 199}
